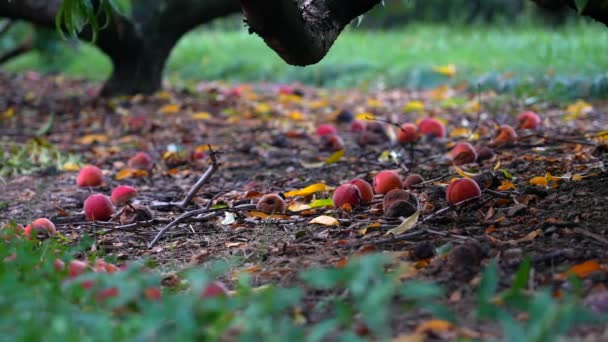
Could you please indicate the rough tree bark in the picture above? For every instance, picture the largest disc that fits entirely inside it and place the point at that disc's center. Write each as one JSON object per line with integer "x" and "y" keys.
{"x": 302, "y": 31}
{"x": 139, "y": 45}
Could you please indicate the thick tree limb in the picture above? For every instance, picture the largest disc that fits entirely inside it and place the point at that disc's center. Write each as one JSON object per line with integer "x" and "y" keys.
{"x": 302, "y": 31}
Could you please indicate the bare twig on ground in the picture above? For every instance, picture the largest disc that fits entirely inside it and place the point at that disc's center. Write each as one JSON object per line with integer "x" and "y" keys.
{"x": 196, "y": 187}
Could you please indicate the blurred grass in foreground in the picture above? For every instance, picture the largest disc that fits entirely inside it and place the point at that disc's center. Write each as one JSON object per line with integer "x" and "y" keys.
{"x": 569, "y": 60}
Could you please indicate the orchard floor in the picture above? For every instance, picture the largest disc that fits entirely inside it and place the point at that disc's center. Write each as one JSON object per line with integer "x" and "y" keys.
{"x": 267, "y": 143}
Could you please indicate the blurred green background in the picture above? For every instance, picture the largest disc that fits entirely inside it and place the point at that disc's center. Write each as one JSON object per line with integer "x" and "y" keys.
{"x": 507, "y": 45}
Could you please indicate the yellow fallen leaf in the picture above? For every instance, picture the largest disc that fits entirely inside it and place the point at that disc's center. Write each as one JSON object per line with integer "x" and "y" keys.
{"x": 335, "y": 157}
{"x": 91, "y": 138}
{"x": 436, "y": 326}
{"x": 169, "y": 109}
{"x": 413, "y": 106}
{"x": 262, "y": 108}
{"x": 325, "y": 220}
{"x": 164, "y": 95}
{"x": 539, "y": 181}
{"x": 446, "y": 70}
{"x": 131, "y": 173}
{"x": 406, "y": 225}
{"x": 472, "y": 107}
{"x": 505, "y": 185}
{"x": 584, "y": 269}
{"x": 577, "y": 177}
{"x": 7, "y": 114}
{"x": 201, "y": 116}
{"x": 374, "y": 103}
{"x": 365, "y": 116}
{"x": 576, "y": 109}
{"x": 441, "y": 93}
{"x": 69, "y": 166}
{"x": 318, "y": 104}
{"x": 318, "y": 203}
{"x": 295, "y": 115}
{"x": 465, "y": 174}
{"x": 309, "y": 190}
{"x": 460, "y": 132}
{"x": 299, "y": 207}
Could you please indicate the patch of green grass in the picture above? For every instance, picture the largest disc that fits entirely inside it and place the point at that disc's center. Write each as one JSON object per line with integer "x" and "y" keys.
{"x": 363, "y": 292}
{"x": 395, "y": 58}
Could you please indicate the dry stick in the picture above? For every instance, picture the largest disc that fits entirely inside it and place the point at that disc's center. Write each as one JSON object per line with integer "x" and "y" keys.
{"x": 179, "y": 220}
{"x": 204, "y": 178}
{"x": 196, "y": 187}
{"x": 594, "y": 236}
{"x": 191, "y": 213}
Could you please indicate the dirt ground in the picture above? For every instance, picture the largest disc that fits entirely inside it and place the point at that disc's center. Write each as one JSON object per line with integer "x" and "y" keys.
{"x": 267, "y": 143}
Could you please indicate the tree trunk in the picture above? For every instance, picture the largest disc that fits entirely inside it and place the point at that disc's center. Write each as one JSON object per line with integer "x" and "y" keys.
{"x": 138, "y": 46}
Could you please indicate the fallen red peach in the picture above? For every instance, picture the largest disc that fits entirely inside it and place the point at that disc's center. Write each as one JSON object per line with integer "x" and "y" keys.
{"x": 59, "y": 265}
{"x": 376, "y": 127}
{"x": 346, "y": 194}
{"x": 332, "y": 142}
{"x": 77, "y": 267}
{"x": 123, "y": 194}
{"x": 506, "y": 134}
{"x": 141, "y": 161}
{"x": 365, "y": 189}
{"x": 399, "y": 209}
{"x": 387, "y": 180}
{"x": 462, "y": 189}
{"x": 89, "y": 176}
{"x": 407, "y": 133}
{"x": 215, "y": 289}
{"x": 529, "y": 120}
{"x": 326, "y": 129}
{"x": 484, "y": 153}
{"x": 432, "y": 127}
{"x": 396, "y": 195}
{"x": 357, "y": 126}
{"x": 41, "y": 225}
{"x": 152, "y": 293}
{"x": 98, "y": 207}
{"x": 412, "y": 180}
{"x": 271, "y": 203}
{"x": 463, "y": 153}
{"x": 107, "y": 293}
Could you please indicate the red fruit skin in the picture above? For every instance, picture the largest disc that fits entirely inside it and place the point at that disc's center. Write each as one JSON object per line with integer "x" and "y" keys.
{"x": 407, "y": 133}
{"x": 326, "y": 129}
{"x": 462, "y": 189}
{"x": 43, "y": 224}
{"x": 412, "y": 179}
{"x": 433, "y": 127}
{"x": 107, "y": 293}
{"x": 506, "y": 134}
{"x": 386, "y": 181}
{"x": 215, "y": 289}
{"x": 102, "y": 266}
{"x": 463, "y": 153}
{"x": 123, "y": 194}
{"x": 76, "y": 268}
{"x": 357, "y": 126}
{"x": 365, "y": 189}
{"x": 89, "y": 176}
{"x": 346, "y": 193}
{"x": 141, "y": 161}
{"x": 332, "y": 143}
{"x": 59, "y": 265}
{"x": 98, "y": 207}
{"x": 271, "y": 203}
{"x": 529, "y": 120}
{"x": 153, "y": 293}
